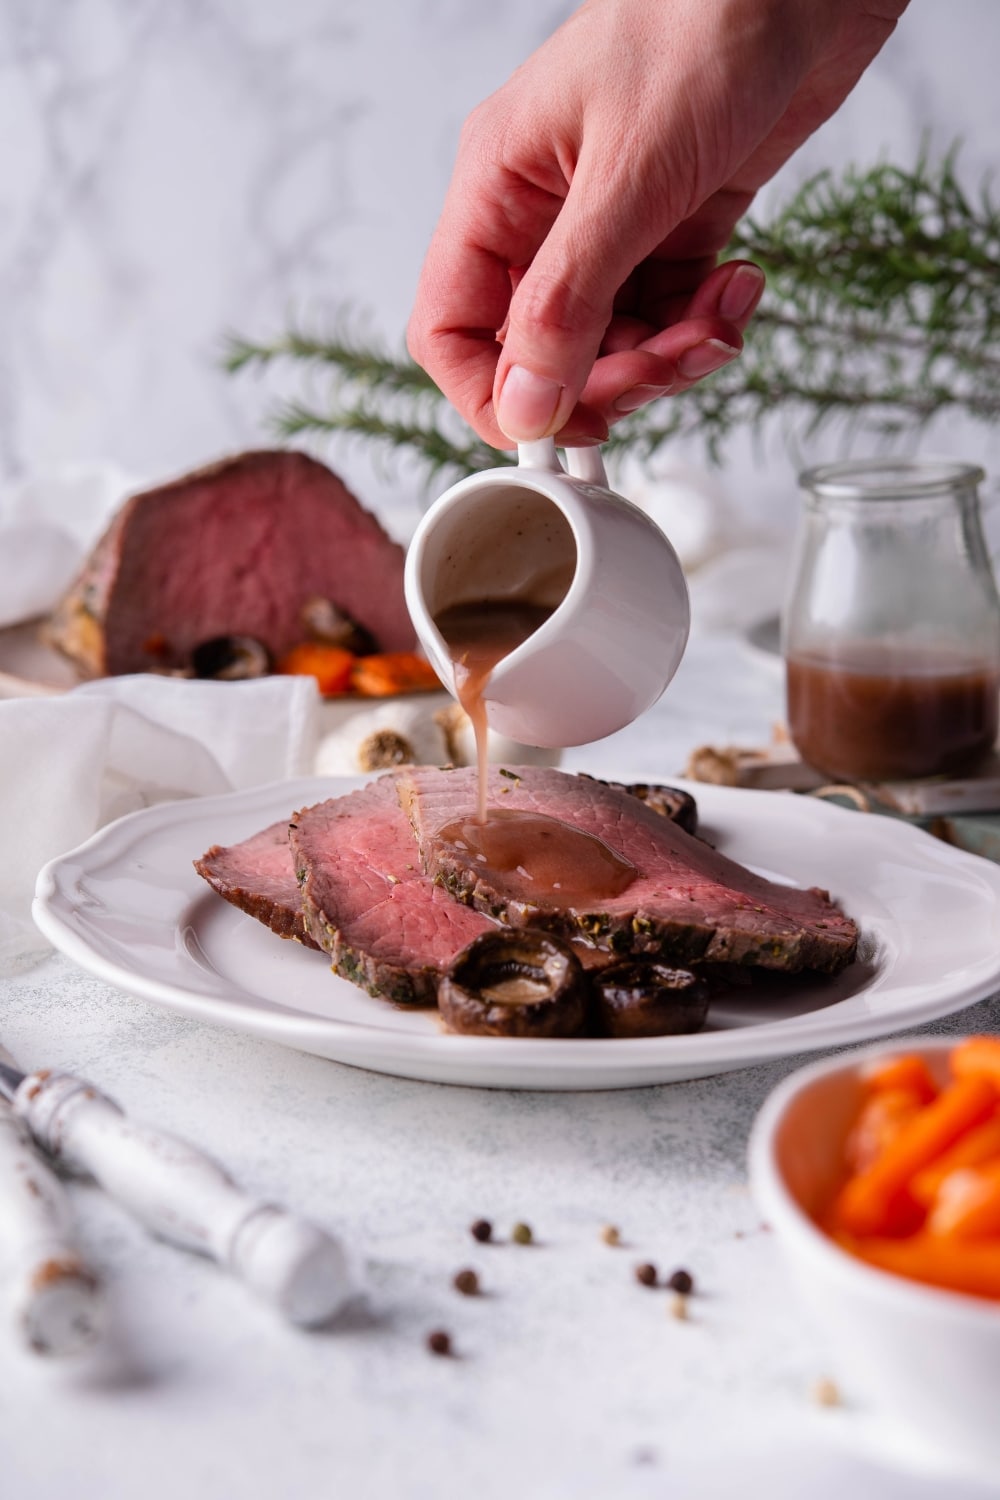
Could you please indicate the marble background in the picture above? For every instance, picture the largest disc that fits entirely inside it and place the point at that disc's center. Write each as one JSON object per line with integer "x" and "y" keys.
{"x": 173, "y": 169}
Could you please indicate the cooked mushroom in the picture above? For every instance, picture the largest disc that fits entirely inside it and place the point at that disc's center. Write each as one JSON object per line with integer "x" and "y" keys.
{"x": 230, "y": 658}
{"x": 670, "y": 802}
{"x": 639, "y": 998}
{"x": 323, "y": 621}
{"x": 508, "y": 983}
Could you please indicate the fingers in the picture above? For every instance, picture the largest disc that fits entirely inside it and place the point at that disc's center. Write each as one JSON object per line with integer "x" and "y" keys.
{"x": 665, "y": 341}
{"x": 667, "y": 364}
{"x": 670, "y": 360}
{"x": 732, "y": 291}
{"x": 559, "y": 315}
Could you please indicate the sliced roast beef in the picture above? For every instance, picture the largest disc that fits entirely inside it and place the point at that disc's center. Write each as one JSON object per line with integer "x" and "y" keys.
{"x": 669, "y": 801}
{"x": 237, "y": 549}
{"x": 684, "y": 903}
{"x": 366, "y": 878}
{"x": 367, "y": 902}
{"x": 258, "y": 876}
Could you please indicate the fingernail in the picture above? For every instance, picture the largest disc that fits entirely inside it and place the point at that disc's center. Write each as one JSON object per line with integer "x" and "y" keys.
{"x": 705, "y": 357}
{"x": 528, "y": 404}
{"x": 742, "y": 291}
{"x": 639, "y": 395}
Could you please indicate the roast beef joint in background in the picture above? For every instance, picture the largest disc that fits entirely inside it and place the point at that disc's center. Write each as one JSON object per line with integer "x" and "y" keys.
{"x": 243, "y": 548}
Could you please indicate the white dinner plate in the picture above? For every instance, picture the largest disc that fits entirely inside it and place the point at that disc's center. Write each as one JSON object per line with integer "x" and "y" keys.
{"x": 128, "y": 906}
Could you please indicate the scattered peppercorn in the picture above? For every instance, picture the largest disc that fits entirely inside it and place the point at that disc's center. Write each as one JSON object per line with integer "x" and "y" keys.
{"x": 825, "y": 1392}
{"x": 610, "y": 1235}
{"x": 466, "y": 1282}
{"x": 646, "y": 1273}
{"x": 683, "y": 1282}
{"x": 481, "y": 1230}
{"x": 521, "y": 1234}
{"x": 678, "y": 1307}
{"x": 439, "y": 1342}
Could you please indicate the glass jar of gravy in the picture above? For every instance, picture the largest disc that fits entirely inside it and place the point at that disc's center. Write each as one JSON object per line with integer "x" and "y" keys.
{"x": 891, "y": 628}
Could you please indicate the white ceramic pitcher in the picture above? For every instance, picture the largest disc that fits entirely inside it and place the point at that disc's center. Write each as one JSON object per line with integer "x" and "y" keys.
{"x": 620, "y": 611}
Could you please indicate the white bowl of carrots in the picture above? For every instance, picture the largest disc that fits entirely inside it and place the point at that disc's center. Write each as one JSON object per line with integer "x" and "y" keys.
{"x": 879, "y": 1173}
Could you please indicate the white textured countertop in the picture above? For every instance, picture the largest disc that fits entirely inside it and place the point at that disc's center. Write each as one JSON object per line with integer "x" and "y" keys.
{"x": 570, "y": 1378}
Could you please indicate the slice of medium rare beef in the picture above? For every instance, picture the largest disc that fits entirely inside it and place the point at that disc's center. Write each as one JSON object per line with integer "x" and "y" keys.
{"x": 366, "y": 901}
{"x": 258, "y": 876}
{"x": 233, "y": 549}
{"x": 685, "y": 902}
{"x": 669, "y": 801}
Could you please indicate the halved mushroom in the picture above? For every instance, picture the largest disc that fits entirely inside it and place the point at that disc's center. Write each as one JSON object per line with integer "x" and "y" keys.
{"x": 639, "y": 998}
{"x": 230, "y": 658}
{"x": 323, "y": 621}
{"x": 507, "y": 983}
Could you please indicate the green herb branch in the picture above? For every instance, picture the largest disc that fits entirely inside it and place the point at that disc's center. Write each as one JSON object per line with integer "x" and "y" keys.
{"x": 882, "y": 309}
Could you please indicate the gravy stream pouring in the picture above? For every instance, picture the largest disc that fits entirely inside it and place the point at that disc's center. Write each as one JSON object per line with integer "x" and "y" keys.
{"x": 557, "y": 612}
{"x": 530, "y": 853}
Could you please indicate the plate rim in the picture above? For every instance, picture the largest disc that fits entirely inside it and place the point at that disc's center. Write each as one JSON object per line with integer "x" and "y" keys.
{"x": 576, "y": 1061}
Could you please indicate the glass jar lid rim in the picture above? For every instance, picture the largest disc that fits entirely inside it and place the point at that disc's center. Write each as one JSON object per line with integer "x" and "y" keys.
{"x": 889, "y": 478}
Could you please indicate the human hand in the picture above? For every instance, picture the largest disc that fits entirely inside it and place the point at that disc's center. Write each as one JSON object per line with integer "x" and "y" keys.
{"x": 572, "y": 276}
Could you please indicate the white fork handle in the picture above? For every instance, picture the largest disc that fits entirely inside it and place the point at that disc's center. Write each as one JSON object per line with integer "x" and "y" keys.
{"x": 185, "y": 1197}
{"x": 55, "y": 1298}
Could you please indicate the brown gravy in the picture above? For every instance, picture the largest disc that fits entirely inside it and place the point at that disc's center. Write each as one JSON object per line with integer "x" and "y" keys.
{"x": 873, "y": 715}
{"x": 526, "y": 855}
{"x": 478, "y": 635}
{"x": 541, "y": 859}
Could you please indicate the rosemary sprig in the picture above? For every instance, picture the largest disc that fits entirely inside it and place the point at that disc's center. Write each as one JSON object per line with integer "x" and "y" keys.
{"x": 882, "y": 311}
{"x": 435, "y": 450}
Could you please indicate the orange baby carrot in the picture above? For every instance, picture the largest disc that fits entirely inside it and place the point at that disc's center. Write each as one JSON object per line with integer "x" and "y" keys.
{"x": 982, "y": 1144}
{"x": 389, "y": 672}
{"x": 977, "y": 1057}
{"x": 879, "y": 1122}
{"x": 962, "y": 1267}
{"x": 869, "y": 1203}
{"x": 907, "y": 1071}
{"x": 330, "y": 665}
{"x": 967, "y": 1206}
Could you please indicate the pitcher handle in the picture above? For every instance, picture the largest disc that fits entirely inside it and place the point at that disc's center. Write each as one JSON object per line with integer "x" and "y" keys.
{"x": 587, "y": 464}
{"x": 582, "y": 463}
{"x": 540, "y": 454}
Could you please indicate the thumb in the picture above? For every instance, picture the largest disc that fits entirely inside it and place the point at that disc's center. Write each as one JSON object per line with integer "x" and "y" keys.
{"x": 559, "y": 314}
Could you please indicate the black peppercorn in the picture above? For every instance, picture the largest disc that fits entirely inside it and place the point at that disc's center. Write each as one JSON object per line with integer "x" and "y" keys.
{"x": 481, "y": 1230}
{"x": 646, "y": 1274}
{"x": 683, "y": 1282}
{"x": 439, "y": 1342}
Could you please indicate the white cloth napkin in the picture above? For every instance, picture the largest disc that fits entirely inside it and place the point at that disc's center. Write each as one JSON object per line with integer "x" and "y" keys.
{"x": 72, "y": 763}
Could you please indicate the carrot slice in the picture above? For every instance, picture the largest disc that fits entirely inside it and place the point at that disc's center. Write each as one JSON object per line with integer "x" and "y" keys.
{"x": 330, "y": 665}
{"x": 982, "y": 1144}
{"x": 881, "y": 1119}
{"x": 389, "y": 672}
{"x": 959, "y": 1266}
{"x": 967, "y": 1206}
{"x": 977, "y": 1057}
{"x": 871, "y": 1202}
{"x": 908, "y": 1072}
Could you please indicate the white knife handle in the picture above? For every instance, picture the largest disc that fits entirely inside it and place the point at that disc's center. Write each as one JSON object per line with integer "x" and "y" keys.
{"x": 56, "y": 1300}
{"x": 184, "y": 1196}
